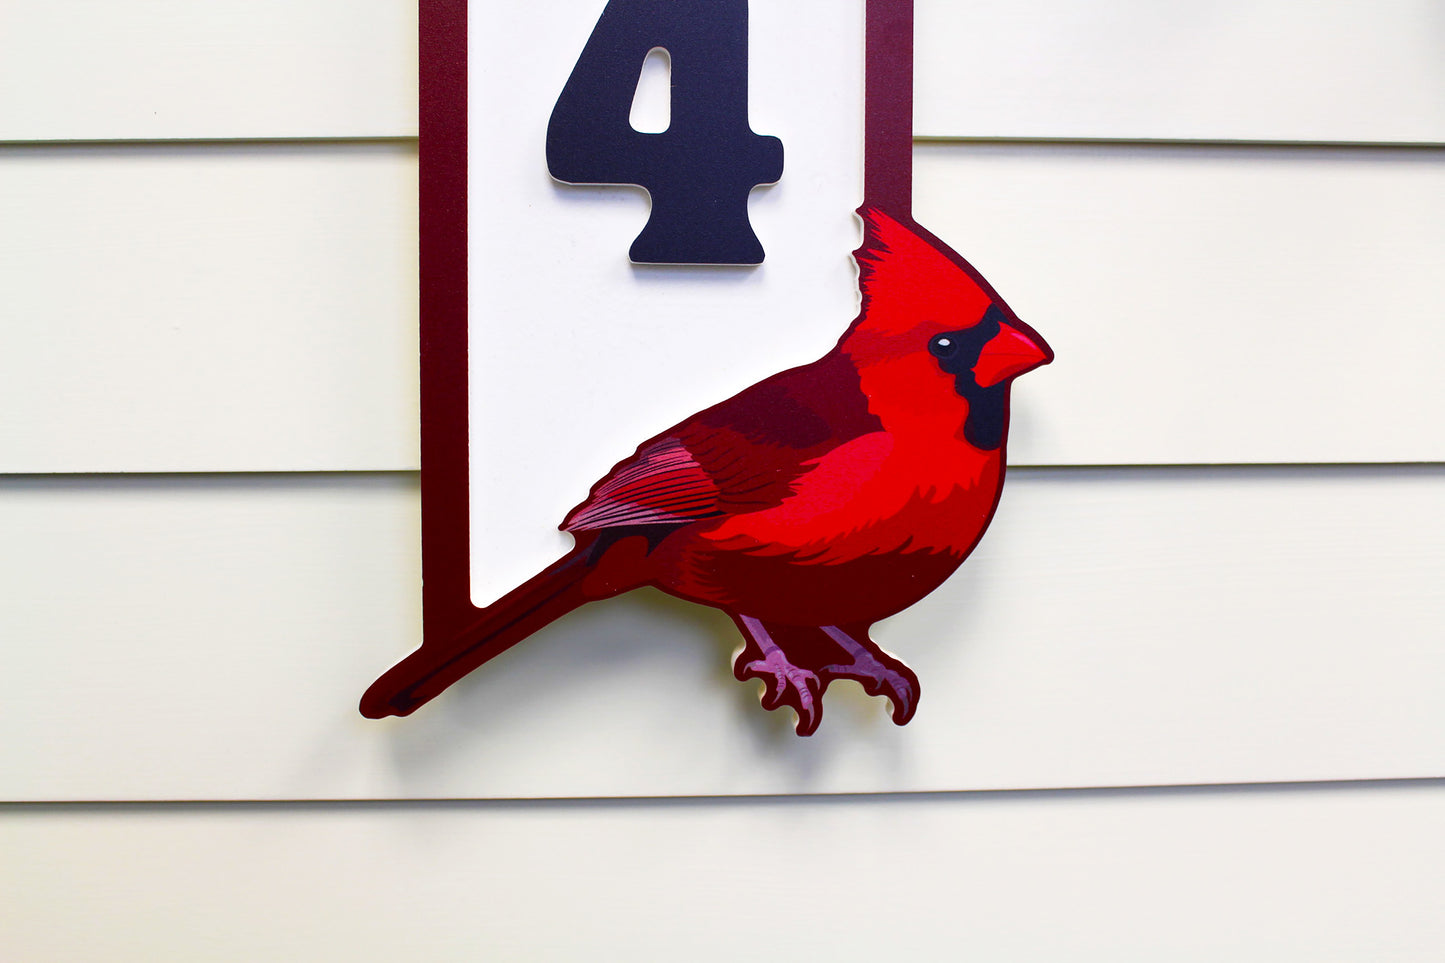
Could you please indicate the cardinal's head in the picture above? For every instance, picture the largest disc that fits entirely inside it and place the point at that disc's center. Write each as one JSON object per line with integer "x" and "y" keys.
{"x": 933, "y": 341}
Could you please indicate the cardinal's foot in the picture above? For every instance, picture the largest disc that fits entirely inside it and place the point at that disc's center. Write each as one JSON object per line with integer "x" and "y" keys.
{"x": 877, "y": 671}
{"x": 787, "y": 684}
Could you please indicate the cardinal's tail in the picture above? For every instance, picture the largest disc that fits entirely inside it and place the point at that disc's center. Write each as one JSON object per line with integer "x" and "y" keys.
{"x": 427, "y": 672}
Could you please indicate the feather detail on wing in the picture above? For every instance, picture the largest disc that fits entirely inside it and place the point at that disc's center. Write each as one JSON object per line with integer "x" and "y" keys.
{"x": 662, "y": 484}
{"x": 739, "y": 456}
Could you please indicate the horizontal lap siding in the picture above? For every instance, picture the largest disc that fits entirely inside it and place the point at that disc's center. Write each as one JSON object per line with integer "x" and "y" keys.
{"x": 208, "y": 637}
{"x": 1330, "y": 71}
{"x": 173, "y": 69}
{"x": 1258, "y": 876}
{"x": 1209, "y": 304}
{"x": 252, "y": 308}
{"x": 218, "y": 307}
{"x": 208, "y": 308}
{"x": 1225, "y": 69}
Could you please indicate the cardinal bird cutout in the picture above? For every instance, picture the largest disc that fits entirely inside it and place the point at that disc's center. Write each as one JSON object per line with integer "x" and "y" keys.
{"x": 820, "y": 500}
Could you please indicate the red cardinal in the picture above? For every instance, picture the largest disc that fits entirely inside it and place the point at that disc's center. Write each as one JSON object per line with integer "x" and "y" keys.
{"x": 807, "y": 507}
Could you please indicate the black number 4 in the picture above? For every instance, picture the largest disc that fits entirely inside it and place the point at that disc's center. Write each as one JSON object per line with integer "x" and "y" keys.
{"x": 699, "y": 171}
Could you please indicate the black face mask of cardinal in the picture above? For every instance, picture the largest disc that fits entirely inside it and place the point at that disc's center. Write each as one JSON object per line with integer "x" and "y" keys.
{"x": 957, "y": 353}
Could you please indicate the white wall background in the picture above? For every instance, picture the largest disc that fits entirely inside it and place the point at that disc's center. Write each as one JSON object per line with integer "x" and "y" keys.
{"x": 1232, "y": 218}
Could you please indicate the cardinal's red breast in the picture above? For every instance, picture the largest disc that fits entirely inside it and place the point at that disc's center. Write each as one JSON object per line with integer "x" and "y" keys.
{"x": 871, "y": 527}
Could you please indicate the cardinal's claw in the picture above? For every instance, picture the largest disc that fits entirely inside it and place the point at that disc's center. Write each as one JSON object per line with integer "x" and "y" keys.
{"x": 788, "y": 684}
{"x": 879, "y": 674}
{"x": 783, "y": 678}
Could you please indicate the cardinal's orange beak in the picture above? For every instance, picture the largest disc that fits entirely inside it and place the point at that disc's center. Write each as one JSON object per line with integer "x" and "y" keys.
{"x": 1016, "y": 348}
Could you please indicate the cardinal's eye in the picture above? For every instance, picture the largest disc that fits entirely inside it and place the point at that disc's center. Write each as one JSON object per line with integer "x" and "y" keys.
{"x": 943, "y": 346}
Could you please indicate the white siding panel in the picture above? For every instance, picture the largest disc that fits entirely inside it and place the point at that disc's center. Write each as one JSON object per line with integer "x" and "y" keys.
{"x": 1210, "y": 305}
{"x": 1340, "y": 874}
{"x": 190, "y": 631}
{"x": 200, "y": 308}
{"x": 1232, "y": 69}
{"x": 172, "y": 637}
{"x": 176, "y": 69}
{"x": 1334, "y": 70}
{"x": 254, "y": 308}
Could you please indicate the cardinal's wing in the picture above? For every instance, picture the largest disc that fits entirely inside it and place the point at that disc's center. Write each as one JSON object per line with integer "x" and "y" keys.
{"x": 738, "y": 456}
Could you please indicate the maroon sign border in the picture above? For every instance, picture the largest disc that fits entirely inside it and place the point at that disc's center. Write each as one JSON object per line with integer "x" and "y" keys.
{"x": 447, "y": 607}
